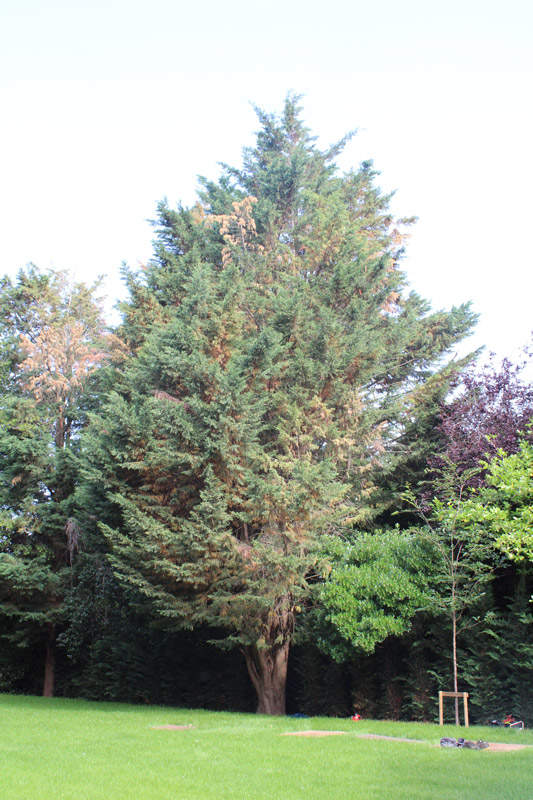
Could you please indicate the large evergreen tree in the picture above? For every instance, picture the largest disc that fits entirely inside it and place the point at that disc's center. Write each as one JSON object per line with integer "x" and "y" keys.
{"x": 274, "y": 359}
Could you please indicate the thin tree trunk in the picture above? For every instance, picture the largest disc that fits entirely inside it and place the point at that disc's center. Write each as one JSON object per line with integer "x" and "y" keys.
{"x": 454, "y": 647}
{"x": 268, "y": 672}
{"x": 49, "y": 665}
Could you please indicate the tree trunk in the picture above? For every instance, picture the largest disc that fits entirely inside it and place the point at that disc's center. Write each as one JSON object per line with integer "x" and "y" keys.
{"x": 454, "y": 649}
{"x": 268, "y": 671}
{"x": 60, "y": 432}
{"x": 49, "y": 664}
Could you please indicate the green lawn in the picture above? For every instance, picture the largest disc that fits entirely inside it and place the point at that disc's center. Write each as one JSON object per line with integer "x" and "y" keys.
{"x": 77, "y": 750}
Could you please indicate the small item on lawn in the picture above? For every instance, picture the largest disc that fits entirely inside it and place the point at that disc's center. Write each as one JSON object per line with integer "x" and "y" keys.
{"x": 511, "y": 722}
{"x": 447, "y": 741}
{"x": 508, "y": 722}
{"x": 355, "y": 717}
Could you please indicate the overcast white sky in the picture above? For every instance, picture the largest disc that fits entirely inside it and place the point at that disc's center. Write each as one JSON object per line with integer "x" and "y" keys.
{"x": 109, "y": 106}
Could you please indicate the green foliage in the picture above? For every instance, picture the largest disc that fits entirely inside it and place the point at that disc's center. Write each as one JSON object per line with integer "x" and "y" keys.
{"x": 465, "y": 553}
{"x": 376, "y": 585}
{"x": 504, "y": 508}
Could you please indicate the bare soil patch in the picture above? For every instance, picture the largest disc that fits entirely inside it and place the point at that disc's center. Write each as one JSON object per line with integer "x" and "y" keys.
{"x": 388, "y": 738}
{"x": 314, "y": 733}
{"x": 173, "y": 727}
{"x": 496, "y": 746}
{"x": 507, "y": 746}
{"x": 501, "y": 746}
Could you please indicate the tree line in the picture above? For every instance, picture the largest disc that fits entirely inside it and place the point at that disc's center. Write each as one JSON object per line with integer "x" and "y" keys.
{"x": 274, "y": 452}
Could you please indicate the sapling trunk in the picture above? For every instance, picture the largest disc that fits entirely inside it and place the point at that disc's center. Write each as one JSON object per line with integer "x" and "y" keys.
{"x": 454, "y": 649}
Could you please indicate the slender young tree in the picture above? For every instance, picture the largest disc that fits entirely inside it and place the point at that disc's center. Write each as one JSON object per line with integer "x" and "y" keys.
{"x": 465, "y": 558}
{"x": 273, "y": 357}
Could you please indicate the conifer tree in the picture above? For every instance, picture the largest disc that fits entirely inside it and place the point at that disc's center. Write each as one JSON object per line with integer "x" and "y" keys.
{"x": 51, "y": 339}
{"x": 274, "y": 357}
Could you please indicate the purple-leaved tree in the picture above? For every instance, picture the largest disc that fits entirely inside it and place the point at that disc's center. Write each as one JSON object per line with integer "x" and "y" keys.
{"x": 492, "y": 411}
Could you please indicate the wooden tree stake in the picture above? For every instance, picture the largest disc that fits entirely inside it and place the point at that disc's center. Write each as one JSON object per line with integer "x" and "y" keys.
{"x": 464, "y": 695}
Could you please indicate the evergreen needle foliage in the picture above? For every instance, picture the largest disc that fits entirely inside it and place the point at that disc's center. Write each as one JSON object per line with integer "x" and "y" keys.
{"x": 274, "y": 363}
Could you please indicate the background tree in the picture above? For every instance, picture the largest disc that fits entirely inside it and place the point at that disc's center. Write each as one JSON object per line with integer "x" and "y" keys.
{"x": 491, "y": 412}
{"x": 273, "y": 358}
{"x": 51, "y": 333}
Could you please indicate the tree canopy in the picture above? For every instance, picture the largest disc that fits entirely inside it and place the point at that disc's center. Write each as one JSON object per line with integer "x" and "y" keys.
{"x": 274, "y": 359}
{"x": 490, "y": 413}
{"x": 504, "y": 507}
